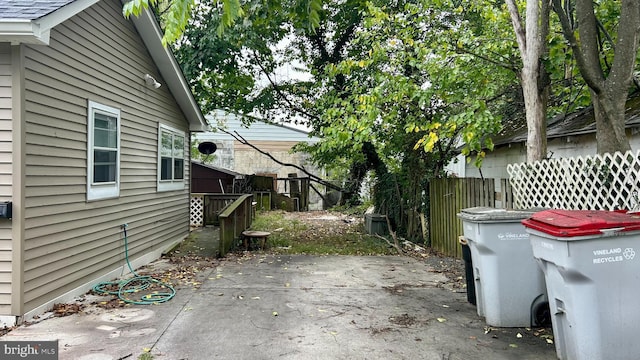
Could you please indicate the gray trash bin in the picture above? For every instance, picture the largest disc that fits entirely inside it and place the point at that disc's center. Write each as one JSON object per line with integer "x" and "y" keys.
{"x": 510, "y": 288}
{"x": 592, "y": 273}
{"x": 375, "y": 224}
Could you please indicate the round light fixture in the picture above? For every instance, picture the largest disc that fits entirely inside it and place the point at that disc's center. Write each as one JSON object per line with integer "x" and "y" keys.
{"x": 207, "y": 148}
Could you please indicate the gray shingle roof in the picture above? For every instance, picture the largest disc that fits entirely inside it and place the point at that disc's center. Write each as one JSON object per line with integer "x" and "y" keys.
{"x": 577, "y": 123}
{"x": 29, "y": 9}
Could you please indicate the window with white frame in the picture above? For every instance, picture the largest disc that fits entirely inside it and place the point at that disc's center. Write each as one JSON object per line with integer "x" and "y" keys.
{"x": 171, "y": 162}
{"x": 103, "y": 151}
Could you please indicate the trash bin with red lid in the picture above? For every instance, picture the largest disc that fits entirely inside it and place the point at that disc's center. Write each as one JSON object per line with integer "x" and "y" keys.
{"x": 509, "y": 285}
{"x": 593, "y": 280}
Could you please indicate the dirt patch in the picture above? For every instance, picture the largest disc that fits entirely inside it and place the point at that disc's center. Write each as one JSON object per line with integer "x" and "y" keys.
{"x": 403, "y": 320}
{"x": 325, "y": 223}
{"x": 452, "y": 268}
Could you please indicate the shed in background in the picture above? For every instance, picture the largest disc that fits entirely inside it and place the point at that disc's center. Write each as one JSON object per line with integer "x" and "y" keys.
{"x": 210, "y": 179}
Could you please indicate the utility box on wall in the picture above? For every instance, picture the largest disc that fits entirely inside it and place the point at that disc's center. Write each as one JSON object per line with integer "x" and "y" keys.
{"x": 5, "y": 210}
{"x": 375, "y": 224}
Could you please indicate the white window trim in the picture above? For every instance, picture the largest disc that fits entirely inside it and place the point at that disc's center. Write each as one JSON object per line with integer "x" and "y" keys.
{"x": 106, "y": 190}
{"x": 170, "y": 185}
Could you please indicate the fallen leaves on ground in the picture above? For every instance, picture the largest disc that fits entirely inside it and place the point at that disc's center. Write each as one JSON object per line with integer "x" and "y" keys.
{"x": 113, "y": 303}
{"x": 60, "y": 309}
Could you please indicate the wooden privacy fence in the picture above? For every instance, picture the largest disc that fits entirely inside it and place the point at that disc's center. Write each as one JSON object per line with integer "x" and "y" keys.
{"x": 449, "y": 196}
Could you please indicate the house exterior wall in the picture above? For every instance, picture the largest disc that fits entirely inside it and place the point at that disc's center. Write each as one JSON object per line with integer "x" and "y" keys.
{"x": 274, "y": 139}
{"x": 495, "y": 163}
{"x": 6, "y": 171}
{"x": 249, "y": 161}
{"x": 224, "y": 155}
{"x": 69, "y": 242}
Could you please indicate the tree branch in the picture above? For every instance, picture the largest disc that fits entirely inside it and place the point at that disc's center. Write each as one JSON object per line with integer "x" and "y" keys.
{"x": 312, "y": 177}
{"x": 324, "y": 199}
{"x": 586, "y": 56}
{"x": 280, "y": 94}
{"x": 625, "y": 55}
{"x": 317, "y": 40}
{"x": 342, "y": 41}
{"x": 488, "y": 59}
{"x": 390, "y": 244}
{"x": 516, "y": 21}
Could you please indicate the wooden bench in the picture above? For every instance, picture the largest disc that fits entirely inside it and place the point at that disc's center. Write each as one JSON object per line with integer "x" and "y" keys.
{"x": 249, "y": 235}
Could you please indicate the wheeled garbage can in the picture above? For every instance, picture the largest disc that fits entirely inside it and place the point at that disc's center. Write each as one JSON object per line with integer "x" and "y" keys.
{"x": 510, "y": 288}
{"x": 592, "y": 274}
{"x": 468, "y": 270}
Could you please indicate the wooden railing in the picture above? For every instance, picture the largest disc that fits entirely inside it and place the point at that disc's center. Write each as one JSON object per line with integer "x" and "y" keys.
{"x": 234, "y": 219}
{"x": 205, "y": 207}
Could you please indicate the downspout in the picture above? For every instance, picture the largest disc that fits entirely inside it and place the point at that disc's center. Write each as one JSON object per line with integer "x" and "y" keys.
{"x": 18, "y": 182}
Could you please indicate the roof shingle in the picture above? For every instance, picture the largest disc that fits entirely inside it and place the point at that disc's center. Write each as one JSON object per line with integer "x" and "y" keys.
{"x": 29, "y": 9}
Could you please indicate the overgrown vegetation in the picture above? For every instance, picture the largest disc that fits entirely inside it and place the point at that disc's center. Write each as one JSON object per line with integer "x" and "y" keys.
{"x": 292, "y": 236}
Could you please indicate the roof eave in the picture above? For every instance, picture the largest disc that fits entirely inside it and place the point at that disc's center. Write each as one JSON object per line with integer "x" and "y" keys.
{"x": 37, "y": 31}
{"x": 21, "y": 31}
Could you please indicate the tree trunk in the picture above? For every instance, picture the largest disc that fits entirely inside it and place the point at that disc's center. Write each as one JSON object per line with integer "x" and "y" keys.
{"x": 609, "y": 90}
{"x": 610, "y": 121}
{"x": 358, "y": 171}
{"x": 534, "y": 78}
{"x": 535, "y": 103}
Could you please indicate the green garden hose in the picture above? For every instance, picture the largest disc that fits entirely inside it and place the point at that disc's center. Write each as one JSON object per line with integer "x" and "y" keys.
{"x": 144, "y": 286}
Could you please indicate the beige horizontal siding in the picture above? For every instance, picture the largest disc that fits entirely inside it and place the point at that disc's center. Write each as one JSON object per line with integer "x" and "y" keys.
{"x": 96, "y": 55}
{"x": 6, "y": 173}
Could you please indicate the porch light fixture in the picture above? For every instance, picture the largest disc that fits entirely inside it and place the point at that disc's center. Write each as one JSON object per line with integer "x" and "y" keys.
{"x": 151, "y": 81}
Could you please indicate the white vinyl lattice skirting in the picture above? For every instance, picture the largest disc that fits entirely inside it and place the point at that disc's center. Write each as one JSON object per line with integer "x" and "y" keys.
{"x": 197, "y": 210}
{"x": 598, "y": 182}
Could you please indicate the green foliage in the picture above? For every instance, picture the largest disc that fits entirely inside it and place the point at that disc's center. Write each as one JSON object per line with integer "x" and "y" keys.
{"x": 177, "y": 13}
{"x": 411, "y": 88}
{"x": 231, "y": 10}
{"x": 415, "y": 82}
{"x": 352, "y": 210}
{"x": 146, "y": 356}
{"x": 226, "y": 70}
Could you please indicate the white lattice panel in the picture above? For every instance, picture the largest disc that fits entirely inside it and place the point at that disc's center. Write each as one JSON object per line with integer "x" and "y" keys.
{"x": 599, "y": 182}
{"x": 197, "y": 210}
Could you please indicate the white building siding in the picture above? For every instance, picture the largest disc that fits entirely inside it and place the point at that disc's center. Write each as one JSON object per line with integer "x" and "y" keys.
{"x": 495, "y": 163}
{"x": 257, "y": 131}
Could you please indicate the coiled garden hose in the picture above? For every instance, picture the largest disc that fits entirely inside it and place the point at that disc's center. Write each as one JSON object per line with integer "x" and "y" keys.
{"x": 143, "y": 285}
